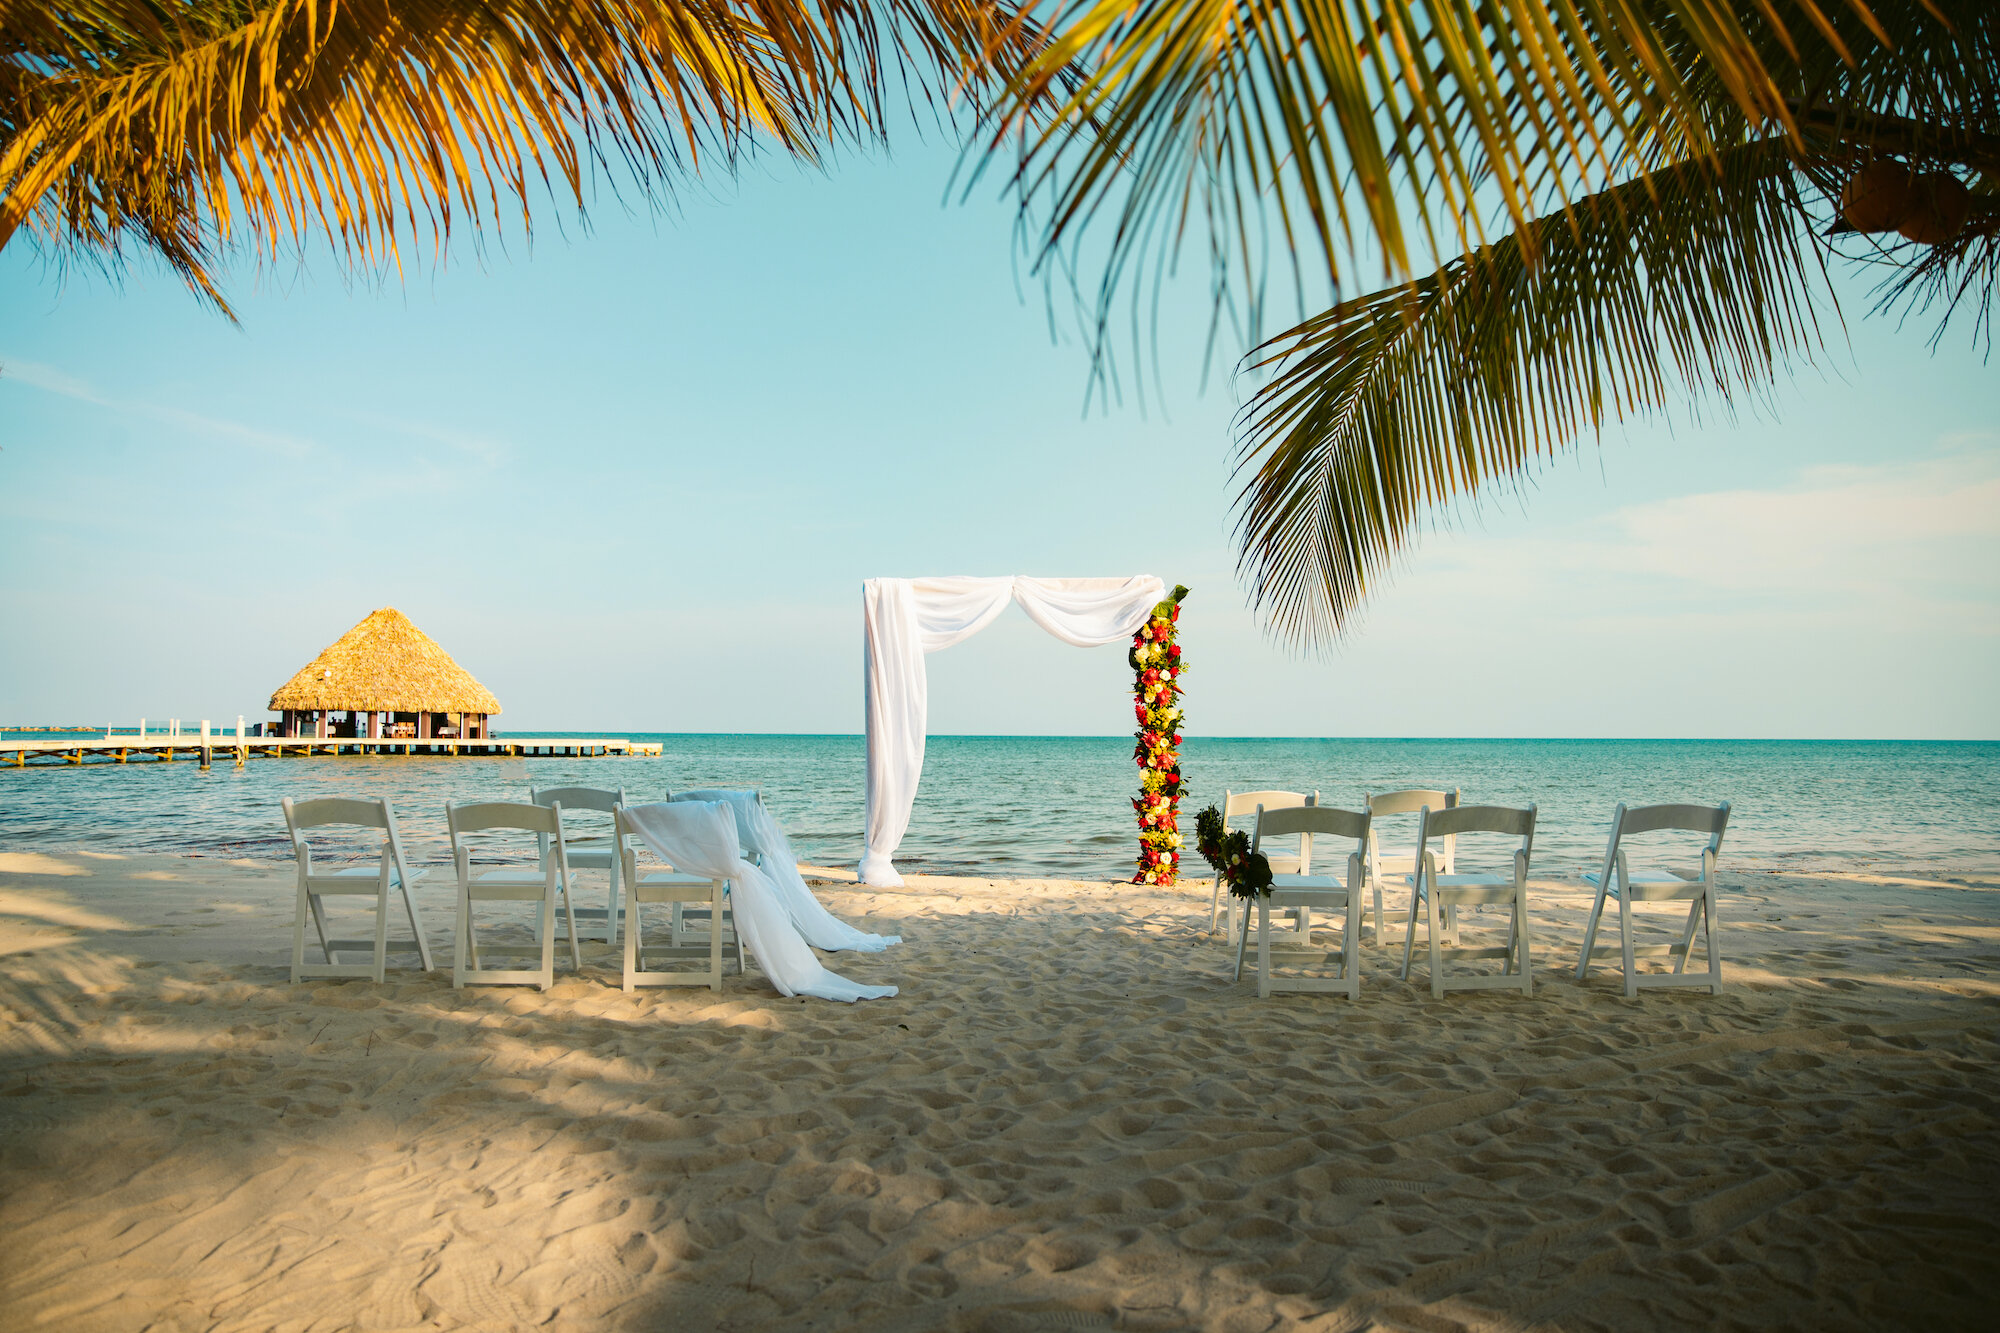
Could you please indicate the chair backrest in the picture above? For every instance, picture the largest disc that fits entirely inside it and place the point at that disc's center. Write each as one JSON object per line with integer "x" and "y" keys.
{"x": 337, "y": 810}
{"x": 731, "y": 797}
{"x": 1236, "y": 803}
{"x": 343, "y": 810}
{"x": 528, "y": 818}
{"x": 1252, "y": 802}
{"x": 694, "y": 837}
{"x": 579, "y": 798}
{"x": 1323, "y": 819}
{"x": 1410, "y": 800}
{"x": 1709, "y": 819}
{"x": 1630, "y": 821}
{"x": 1460, "y": 820}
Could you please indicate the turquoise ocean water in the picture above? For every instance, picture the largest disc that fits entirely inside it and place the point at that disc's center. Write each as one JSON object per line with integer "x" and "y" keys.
{"x": 1004, "y": 806}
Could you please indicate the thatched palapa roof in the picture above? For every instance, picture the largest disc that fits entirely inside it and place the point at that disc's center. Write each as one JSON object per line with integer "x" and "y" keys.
{"x": 385, "y": 664}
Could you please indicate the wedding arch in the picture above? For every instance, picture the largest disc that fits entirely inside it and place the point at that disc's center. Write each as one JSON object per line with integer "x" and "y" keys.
{"x": 905, "y": 618}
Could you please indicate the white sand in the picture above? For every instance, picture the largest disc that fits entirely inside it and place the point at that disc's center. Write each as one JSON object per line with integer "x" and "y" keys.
{"x": 1070, "y": 1118}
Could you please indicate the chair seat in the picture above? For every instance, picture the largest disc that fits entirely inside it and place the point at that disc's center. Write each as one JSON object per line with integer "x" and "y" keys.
{"x": 669, "y": 886}
{"x": 509, "y": 885}
{"x": 590, "y": 859}
{"x": 356, "y": 880}
{"x": 1308, "y": 891}
{"x": 1474, "y": 887}
{"x": 1652, "y": 886}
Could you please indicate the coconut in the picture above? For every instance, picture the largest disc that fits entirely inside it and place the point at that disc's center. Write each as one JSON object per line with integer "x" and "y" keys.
{"x": 1939, "y": 206}
{"x": 1878, "y": 196}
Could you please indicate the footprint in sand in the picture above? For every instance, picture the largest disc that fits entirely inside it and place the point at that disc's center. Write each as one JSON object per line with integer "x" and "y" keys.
{"x": 468, "y": 1288}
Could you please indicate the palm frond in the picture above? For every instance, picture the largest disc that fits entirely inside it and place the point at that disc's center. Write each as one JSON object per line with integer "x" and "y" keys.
{"x": 382, "y": 125}
{"x": 1398, "y": 130}
{"x": 1700, "y": 278}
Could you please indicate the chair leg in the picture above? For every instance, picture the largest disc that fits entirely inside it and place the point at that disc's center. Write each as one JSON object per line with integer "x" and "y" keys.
{"x": 1687, "y": 937}
{"x": 461, "y": 945}
{"x": 1242, "y": 936}
{"x": 1350, "y": 963}
{"x": 1410, "y": 931}
{"x": 319, "y": 924}
{"x": 1263, "y": 947}
{"x": 1590, "y": 932}
{"x": 715, "y": 936}
{"x": 1625, "y": 941}
{"x": 299, "y": 935}
{"x": 548, "y": 933}
{"x": 575, "y": 953}
{"x": 1378, "y": 913}
{"x": 1215, "y": 904}
{"x": 1709, "y": 928}
{"x": 416, "y": 926}
{"x": 1432, "y": 926}
{"x": 736, "y": 933}
{"x": 631, "y": 931}
{"x": 611, "y": 904}
{"x": 382, "y": 929}
{"x": 1525, "y": 954}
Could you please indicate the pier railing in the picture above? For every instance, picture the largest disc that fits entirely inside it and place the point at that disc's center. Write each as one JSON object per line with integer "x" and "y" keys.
{"x": 240, "y": 746}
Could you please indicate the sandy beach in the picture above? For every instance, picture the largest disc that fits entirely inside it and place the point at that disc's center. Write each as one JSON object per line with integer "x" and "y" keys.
{"x": 1070, "y": 1118}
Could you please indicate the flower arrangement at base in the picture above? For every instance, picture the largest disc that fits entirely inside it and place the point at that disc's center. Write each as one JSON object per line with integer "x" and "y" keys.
{"x": 1156, "y": 691}
{"x": 1243, "y": 872}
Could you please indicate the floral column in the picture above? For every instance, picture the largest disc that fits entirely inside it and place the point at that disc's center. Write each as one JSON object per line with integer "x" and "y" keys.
{"x": 1156, "y": 690}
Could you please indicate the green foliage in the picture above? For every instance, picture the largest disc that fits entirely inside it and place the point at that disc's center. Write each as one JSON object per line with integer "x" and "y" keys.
{"x": 379, "y": 126}
{"x": 1245, "y": 873}
{"x": 1579, "y": 212}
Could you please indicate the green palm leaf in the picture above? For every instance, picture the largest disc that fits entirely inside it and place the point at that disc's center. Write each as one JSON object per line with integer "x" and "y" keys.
{"x": 381, "y": 125}
{"x": 1699, "y": 279}
{"x": 1332, "y": 132}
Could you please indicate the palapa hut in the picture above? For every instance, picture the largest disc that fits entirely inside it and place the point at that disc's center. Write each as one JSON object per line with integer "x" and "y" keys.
{"x": 387, "y": 678}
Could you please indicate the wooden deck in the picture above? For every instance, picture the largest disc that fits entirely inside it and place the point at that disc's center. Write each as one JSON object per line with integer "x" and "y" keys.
{"x": 205, "y": 749}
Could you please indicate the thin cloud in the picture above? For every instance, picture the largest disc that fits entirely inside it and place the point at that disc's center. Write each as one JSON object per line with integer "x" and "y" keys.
{"x": 50, "y": 379}
{"x": 481, "y": 449}
{"x": 1918, "y": 541}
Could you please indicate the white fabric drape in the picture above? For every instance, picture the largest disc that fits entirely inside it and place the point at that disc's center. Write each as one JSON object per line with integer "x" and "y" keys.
{"x": 905, "y": 618}
{"x": 762, "y": 834}
{"x": 701, "y": 838}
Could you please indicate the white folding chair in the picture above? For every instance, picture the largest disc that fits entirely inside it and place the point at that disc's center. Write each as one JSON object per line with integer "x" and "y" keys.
{"x": 668, "y": 886}
{"x": 1434, "y": 891}
{"x": 587, "y": 851}
{"x": 1620, "y": 881}
{"x": 690, "y": 921}
{"x": 1305, "y": 892}
{"x": 391, "y": 871}
{"x": 1398, "y": 868}
{"x": 1241, "y": 803}
{"x": 509, "y": 884}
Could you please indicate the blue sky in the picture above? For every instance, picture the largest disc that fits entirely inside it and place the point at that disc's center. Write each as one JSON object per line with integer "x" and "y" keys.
{"x": 633, "y": 475}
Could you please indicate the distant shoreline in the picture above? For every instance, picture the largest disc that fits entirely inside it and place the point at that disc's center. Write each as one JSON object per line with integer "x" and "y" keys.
{"x": 635, "y": 734}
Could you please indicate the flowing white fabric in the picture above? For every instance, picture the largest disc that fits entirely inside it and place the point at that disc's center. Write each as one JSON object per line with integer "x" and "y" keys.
{"x": 700, "y": 838}
{"x": 762, "y": 834}
{"x": 905, "y": 618}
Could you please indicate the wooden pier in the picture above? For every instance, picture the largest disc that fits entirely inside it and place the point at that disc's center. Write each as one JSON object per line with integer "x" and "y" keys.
{"x": 204, "y": 749}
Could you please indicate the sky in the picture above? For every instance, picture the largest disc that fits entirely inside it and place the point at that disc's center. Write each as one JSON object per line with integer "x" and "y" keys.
{"x": 633, "y": 475}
